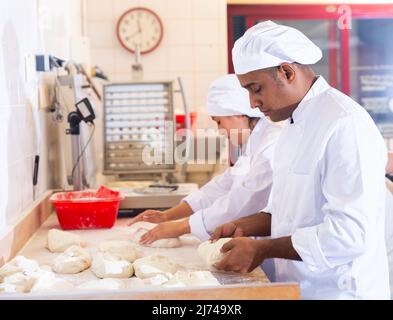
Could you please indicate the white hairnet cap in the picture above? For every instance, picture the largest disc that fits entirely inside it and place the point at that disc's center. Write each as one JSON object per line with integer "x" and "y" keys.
{"x": 227, "y": 97}
{"x": 268, "y": 44}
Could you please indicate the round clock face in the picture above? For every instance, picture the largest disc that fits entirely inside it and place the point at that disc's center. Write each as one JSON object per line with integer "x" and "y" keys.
{"x": 139, "y": 27}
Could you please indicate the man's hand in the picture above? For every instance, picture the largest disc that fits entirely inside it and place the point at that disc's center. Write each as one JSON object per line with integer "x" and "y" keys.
{"x": 153, "y": 216}
{"x": 243, "y": 254}
{"x": 170, "y": 229}
{"x": 227, "y": 230}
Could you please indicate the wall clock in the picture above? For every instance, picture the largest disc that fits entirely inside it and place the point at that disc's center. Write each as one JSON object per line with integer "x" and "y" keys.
{"x": 140, "y": 27}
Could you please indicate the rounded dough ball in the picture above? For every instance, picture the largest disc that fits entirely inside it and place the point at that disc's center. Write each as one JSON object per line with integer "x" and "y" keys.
{"x": 211, "y": 253}
{"x": 106, "y": 265}
{"x": 122, "y": 249}
{"x": 59, "y": 241}
{"x": 154, "y": 265}
{"x": 74, "y": 260}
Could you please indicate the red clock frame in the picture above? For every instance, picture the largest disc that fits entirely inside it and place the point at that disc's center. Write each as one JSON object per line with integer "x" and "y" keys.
{"x": 150, "y": 12}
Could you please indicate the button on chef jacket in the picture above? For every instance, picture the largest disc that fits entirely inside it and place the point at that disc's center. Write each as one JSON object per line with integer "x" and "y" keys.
{"x": 241, "y": 190}
{"x": 329, "y": 195}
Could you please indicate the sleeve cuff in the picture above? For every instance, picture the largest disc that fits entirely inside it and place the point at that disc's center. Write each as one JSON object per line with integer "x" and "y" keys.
{"x": 197, "y": 226}
{"x": 306, "y": 243}
{"x": 194, "y": 201}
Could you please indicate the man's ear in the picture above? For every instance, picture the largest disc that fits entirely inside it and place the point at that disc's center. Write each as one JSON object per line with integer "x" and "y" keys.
{"x": 287, "y": 71}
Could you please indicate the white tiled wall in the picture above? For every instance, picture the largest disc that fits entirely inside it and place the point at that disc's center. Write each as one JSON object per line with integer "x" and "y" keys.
{"x": 194, "y": 46}
{"x": 28, "y": 27}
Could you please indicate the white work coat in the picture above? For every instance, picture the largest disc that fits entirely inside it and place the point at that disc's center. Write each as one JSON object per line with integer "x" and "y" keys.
{"x": 389, "y": 236}
{"x": 241, "y": 190}
{"x": 329, "y": 196}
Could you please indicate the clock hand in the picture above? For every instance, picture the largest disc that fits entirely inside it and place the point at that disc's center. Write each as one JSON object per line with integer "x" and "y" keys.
{"x": 139, "y": 26}
{"x": 134, "y": 34}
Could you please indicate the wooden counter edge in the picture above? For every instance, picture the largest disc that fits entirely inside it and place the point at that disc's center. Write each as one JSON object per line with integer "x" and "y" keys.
{"x": 265, "y": 291}
{"x": 13, "y": 240}
{"x": 271, "y": 291}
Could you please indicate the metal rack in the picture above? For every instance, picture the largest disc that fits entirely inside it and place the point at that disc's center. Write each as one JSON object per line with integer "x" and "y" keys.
{"x": 136, "y": 116}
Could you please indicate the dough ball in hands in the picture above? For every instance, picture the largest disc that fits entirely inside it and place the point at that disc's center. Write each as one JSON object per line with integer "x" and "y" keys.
{"x": 210, "y": 252}
{"x": 74, "y": 260}
{"x": 122, "y": 249}
{"x": 59, "y": 241}
{"x": 137, "y": 230}
{"x": 106, "y": 265}
{"x": 154, "y": 265}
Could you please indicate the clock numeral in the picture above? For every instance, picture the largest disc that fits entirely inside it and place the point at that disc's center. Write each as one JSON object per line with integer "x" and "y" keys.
{"x": 126, "y": 22}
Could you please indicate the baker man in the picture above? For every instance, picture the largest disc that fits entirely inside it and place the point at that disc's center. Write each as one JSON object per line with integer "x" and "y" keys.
{"x": 326, "y": 211}
{"x": 241, "y": 189}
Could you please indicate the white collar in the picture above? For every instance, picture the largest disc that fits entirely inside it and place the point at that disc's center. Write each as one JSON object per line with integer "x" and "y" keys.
{"x": 317, "y": 88}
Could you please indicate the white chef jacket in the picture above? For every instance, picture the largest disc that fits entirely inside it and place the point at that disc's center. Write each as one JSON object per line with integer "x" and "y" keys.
{"x": 329, "y": 196}
{"x": 241, "y": 190}
{"x": 389, "y": 236}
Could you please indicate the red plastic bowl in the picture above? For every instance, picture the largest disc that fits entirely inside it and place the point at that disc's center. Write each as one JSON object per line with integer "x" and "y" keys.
{"x": 87, "y": 209}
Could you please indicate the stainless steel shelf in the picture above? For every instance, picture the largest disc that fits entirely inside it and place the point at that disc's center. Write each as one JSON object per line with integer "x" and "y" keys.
{"x": 135, "y": 116}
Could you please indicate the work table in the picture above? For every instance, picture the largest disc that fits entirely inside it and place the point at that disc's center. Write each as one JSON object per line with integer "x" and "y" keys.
{"x": 232, "y": 285}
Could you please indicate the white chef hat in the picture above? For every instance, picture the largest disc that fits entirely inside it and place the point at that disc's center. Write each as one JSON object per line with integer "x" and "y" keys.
{"x": 226, "y": 97}
{"x": 268, "y": 44}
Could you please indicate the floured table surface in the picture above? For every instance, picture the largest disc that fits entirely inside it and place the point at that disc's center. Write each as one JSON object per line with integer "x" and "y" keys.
{"x": 186, "y": 255}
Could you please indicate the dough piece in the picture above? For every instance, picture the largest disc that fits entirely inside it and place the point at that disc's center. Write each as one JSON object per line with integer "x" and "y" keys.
{"x": 138, "y": 229}
{"x": 160, "y": 279}
{"x": 74, "y": 260}
{"x": 122, "y": 249}
{"x": 18, "y": 264}
{"x": 192, "y": 279}
{"x": 102, "y": 284}
{"x": 47, "y": 281}
{"x": 211, "y": 253}
{"x": 22, "y": 283}
{"x": 9, "y": 288}
{"x": 154, "y": 265}
{"x": 59, "y": 241}
{"x": 106, "y": 265}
